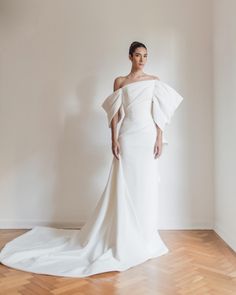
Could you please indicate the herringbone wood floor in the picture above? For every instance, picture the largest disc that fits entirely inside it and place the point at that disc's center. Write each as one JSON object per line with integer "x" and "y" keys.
{"x": 199, "y": 263}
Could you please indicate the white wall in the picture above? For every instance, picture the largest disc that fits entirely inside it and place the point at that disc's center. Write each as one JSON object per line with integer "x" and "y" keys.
{"x": 225, "y": 119}
{"x": 58, "y": 63}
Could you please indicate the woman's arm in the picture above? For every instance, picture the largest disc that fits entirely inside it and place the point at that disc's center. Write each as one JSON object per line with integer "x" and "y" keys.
{"x": 159, "y": 131}
{"x": 114, "y": 121}
{"x": 158, "y": 144}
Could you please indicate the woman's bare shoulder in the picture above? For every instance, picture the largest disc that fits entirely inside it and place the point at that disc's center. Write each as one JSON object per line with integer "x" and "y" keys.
{"x": 118, "y": 82}
{"x": 155, "y": 77}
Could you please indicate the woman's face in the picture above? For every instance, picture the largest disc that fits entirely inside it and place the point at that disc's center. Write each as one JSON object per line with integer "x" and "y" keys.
{"x": 139, "y": 57}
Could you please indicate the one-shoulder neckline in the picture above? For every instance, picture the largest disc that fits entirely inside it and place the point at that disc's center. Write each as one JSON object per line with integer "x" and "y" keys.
{"x": 129, "y": 84}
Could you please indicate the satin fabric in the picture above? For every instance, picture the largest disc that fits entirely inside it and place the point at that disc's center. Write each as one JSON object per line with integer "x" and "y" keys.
{"x": 121, "y": 232}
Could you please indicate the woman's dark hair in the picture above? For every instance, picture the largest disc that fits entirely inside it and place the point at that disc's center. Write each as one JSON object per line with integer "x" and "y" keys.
{"x": 135, "y": 45}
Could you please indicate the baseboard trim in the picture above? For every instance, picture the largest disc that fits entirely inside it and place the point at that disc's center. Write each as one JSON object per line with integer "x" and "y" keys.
{"x": 226, "y": 236}
{"x": 169, "y": 225}
{"x": 184, "y": 225}
{"x": 28, "y": 224}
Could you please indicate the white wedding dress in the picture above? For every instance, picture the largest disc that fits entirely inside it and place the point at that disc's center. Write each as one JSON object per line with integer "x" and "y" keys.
{"x": 122, "y": 229}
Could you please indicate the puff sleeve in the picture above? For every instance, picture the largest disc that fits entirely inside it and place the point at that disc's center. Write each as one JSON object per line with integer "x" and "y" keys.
{"x": 165, "y": 101}
{"x": 112, "y": 104}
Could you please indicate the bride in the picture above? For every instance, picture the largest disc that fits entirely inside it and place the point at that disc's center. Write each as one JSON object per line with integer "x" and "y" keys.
{"x": 122, "y": 230}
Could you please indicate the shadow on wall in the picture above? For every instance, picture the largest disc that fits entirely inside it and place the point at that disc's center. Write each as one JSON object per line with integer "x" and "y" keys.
{"x": 81, "y": 160}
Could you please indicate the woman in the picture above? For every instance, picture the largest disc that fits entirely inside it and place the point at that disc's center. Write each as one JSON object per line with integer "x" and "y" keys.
{"x": 138, "y": 57}
{"x": 122, "y": 230}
